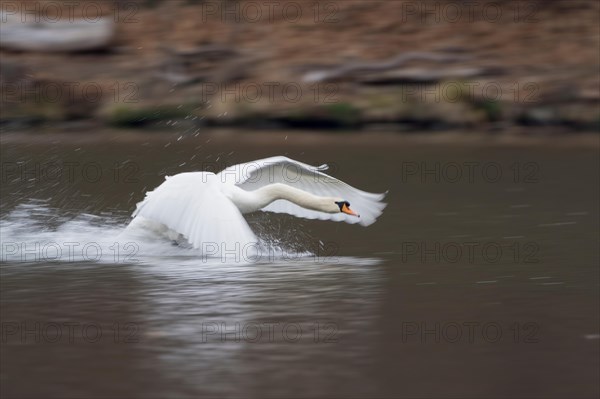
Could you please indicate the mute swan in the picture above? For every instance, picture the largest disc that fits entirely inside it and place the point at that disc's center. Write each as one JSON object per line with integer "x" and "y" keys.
{"x": 204, "y": 207}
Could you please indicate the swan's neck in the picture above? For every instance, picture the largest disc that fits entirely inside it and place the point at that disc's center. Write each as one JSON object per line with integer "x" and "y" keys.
{"x": 273, "y": 192}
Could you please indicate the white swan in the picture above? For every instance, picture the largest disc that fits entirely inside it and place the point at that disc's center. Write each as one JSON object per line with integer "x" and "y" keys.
{"x": 204, "y": 207}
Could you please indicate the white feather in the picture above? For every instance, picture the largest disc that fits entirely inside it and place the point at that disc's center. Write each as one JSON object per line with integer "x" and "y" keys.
{"x": 193, "y": 205}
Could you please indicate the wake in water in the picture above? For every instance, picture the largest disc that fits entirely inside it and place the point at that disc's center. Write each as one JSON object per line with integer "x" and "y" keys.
{"x": 34, "y": 232}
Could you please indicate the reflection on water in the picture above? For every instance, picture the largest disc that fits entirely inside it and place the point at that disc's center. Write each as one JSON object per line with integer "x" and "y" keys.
{"x": 298, "y": 312}
{"x": 333, "y": 309}
{"x": 214, "y": 329}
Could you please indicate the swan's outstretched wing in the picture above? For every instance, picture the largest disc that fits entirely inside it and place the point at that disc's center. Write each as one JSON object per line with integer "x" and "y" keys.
{"x": 193, "y": 205}
{"x": 253, "y": 175}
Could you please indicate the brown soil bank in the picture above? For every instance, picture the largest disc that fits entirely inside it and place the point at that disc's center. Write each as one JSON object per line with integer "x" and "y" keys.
{"x": 486, "y": 65}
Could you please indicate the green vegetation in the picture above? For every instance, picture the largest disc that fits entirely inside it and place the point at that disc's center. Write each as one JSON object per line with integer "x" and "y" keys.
{"x": 491, "y": 108}
{"x": 123, "y": 116}
{"x": 332, "y": 116}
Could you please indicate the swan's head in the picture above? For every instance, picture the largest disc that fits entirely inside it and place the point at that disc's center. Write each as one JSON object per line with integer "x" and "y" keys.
{"x": 344, "y": 207}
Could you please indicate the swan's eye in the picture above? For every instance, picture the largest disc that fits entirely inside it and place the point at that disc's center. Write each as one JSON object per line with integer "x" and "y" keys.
{"x": 341, "y": 205}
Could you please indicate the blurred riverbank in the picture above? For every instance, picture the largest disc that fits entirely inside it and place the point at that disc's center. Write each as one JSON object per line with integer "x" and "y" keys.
{"x": 337, "y": 65}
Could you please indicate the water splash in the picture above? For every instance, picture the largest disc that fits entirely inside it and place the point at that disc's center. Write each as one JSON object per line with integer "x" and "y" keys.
{"x": 35, "y": 232}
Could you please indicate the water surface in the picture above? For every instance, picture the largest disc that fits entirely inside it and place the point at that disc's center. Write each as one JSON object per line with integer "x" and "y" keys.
{"x": 478, "y": 285}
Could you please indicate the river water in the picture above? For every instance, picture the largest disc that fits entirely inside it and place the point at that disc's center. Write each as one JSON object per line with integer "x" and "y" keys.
{"x": 480, "y": 279}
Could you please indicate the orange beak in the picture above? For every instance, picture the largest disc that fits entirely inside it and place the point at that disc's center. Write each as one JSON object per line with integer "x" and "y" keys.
{"x": 349, "y": 211}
